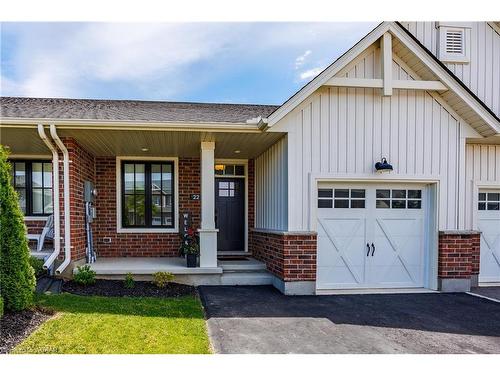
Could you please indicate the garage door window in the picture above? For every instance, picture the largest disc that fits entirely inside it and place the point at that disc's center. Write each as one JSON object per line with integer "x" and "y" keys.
{"x": 399, "y": 198}
{"x": 489, "y": 202}
{"x": 341, "y": 198}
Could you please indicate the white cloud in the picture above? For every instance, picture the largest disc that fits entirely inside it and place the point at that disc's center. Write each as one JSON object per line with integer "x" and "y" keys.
{"x": 156, "y": 60}
{"x": 299, "y": 61}
{"x": 311, "y": 73}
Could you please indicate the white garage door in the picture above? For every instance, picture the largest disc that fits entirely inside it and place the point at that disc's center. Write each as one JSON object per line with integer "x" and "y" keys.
{"x": 489, "y": 225}
{"x": 370, "y": 236}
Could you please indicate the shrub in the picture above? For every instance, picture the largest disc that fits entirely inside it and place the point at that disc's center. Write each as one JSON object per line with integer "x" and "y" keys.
{"x": 85, "y": 275}
{"x": 129, "y": 281}
{"x": 161, "y": 279}
{"x": 1, "y": 307}
{"x": 37, "y": 265}
{"x": 17, "y": 278}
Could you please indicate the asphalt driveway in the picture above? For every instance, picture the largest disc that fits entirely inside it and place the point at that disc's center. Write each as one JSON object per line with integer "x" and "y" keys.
{"x": 259, "y": 319}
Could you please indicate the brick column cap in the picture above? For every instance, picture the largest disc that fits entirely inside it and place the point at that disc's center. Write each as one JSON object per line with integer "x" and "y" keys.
{"x": 283, "y": 232}
{"x": 459, "y": 232}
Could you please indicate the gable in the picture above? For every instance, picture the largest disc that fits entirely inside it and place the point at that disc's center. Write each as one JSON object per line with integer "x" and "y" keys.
{"x": 363, "y": 67}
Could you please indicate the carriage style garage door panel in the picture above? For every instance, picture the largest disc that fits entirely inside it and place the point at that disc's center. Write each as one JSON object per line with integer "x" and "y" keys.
{"x": 489, "y": 225}
{"x": 370, "y": 236}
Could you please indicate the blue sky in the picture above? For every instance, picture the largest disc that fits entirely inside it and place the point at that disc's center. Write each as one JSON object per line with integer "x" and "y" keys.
{"x": 206, "y": 62}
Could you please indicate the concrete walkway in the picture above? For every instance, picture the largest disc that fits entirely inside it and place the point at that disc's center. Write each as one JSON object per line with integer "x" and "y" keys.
{"x": 262, "y": 320}
{"x": 488, "y": 291}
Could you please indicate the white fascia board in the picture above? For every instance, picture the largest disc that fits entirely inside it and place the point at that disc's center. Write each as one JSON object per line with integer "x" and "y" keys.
{"x": 129, "y": 125}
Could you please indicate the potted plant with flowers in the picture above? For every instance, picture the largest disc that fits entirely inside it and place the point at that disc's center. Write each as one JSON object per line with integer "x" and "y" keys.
{"x": 190, "y": 247}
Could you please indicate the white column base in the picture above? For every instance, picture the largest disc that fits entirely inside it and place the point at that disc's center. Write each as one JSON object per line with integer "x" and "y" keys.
{"x": 208, "y": 247}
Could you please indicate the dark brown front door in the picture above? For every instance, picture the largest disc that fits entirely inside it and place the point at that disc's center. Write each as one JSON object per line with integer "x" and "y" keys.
{"x": 230, "y": 213}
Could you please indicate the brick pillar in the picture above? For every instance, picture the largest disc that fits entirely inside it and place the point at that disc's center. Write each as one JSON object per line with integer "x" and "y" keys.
{"x": 289, "y": 256}
{"x": 458, "y": 264}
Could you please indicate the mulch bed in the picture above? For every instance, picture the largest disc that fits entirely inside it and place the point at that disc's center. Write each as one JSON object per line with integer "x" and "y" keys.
{"x": 15, "y": 327}
{"x": 115, "y": 288}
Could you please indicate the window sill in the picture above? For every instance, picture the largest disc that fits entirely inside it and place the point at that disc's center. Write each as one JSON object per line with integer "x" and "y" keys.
{"x": 455, "y": 60}
{"x": 147, "y": 230}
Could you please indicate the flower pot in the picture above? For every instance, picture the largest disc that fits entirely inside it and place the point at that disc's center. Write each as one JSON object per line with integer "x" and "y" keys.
{"x": 192, "y": 260}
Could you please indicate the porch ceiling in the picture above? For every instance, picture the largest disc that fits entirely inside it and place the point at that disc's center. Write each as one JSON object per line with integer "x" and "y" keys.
{"x": 23, "y": 141}
{"x": 131, "y": 142}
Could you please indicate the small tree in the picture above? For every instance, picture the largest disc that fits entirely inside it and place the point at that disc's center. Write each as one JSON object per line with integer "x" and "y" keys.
{"x": 17, "y": 278}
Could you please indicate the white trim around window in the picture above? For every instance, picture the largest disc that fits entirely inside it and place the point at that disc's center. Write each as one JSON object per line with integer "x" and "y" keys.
{"x": 119, "y": 227}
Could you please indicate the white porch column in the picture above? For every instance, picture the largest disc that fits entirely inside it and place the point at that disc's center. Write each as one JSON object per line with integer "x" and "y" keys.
{"x": 208, "y": 233}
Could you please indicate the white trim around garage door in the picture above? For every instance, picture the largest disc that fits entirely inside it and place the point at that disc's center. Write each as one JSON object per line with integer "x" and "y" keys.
{"x": 119, "y": 228}
{"x": 431, "y": 228}
{"x": 476, "y": 186}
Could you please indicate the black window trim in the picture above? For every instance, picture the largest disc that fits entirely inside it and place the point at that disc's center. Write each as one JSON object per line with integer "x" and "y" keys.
{"x": 148, "y": 193}
{"x": 28, "y": 163}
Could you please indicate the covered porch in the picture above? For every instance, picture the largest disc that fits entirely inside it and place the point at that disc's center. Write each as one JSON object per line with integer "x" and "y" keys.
{"x": 96, "y": 153}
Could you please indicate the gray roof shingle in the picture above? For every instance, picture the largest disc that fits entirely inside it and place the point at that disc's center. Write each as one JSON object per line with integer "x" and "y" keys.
{"x": 130, "y": 110}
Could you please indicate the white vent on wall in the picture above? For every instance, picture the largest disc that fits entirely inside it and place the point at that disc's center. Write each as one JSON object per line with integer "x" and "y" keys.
{"x": 454, "y": 41}
{"x": 453, "y": 44}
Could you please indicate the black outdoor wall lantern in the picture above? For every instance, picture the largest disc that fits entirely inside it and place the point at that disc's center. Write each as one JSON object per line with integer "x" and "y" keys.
{"x": 383, "y": 166}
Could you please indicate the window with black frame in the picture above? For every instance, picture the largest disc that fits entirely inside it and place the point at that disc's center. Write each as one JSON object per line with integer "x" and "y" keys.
{"x": 148, "y": 194}
{"x": 32, "y": 180}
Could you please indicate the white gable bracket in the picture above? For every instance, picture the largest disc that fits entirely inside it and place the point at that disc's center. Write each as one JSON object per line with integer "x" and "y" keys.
{"x": 379, "y": 83}
{"x": 386, "y": 56}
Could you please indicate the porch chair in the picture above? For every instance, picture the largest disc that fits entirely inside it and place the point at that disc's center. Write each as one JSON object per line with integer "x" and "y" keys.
{"x": 47, "y": 232}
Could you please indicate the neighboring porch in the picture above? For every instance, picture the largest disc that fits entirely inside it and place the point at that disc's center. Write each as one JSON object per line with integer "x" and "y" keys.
{"x": 234, "y": 271}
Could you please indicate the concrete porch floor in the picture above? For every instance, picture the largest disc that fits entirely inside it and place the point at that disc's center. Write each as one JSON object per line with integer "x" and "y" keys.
{"x": 148, "y": 266}
{"x": 227, "y": 272}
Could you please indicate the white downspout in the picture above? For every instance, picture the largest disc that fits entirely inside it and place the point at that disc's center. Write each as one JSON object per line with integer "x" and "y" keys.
{"x": 57, "y": 215}
{"x": 67, "y": 222}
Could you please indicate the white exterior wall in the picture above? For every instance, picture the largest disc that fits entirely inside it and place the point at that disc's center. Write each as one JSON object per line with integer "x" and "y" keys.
{"x": 271, "y": 181}
{"x": 342, "y": 132}
{"x": 482, "y": 170}
{"x": 482, "y": 73}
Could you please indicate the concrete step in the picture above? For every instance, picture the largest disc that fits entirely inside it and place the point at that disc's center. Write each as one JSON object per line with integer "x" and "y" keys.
{"x": 250, "y": 265}
{"x": 246, "y": 278}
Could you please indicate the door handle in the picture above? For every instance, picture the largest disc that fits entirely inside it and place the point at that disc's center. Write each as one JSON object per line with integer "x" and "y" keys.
{"x": 373, "y": 249}
{"x": 368, "y": 247}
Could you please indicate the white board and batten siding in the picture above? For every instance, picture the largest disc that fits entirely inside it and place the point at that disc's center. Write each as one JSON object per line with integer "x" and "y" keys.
{"x": 344, "y": 131}
{"x": 482, "y": 73}
{"x": 482, "y": 171}
{"x": 271, "y": 187}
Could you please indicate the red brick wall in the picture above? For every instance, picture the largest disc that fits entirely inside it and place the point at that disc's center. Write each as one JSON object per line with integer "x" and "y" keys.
{"x": 141, "y": 244}
{"x": 81, "y": 168}
{"x": 34, "y": 226}
{"x": 458, "y": 255}
{"x": 476, "y": 252}
{"x": 290, "y": 257}
{"x": 190, "y": 183}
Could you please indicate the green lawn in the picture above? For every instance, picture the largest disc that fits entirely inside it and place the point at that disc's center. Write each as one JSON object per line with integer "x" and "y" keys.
{"x": 119, "y": 325}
